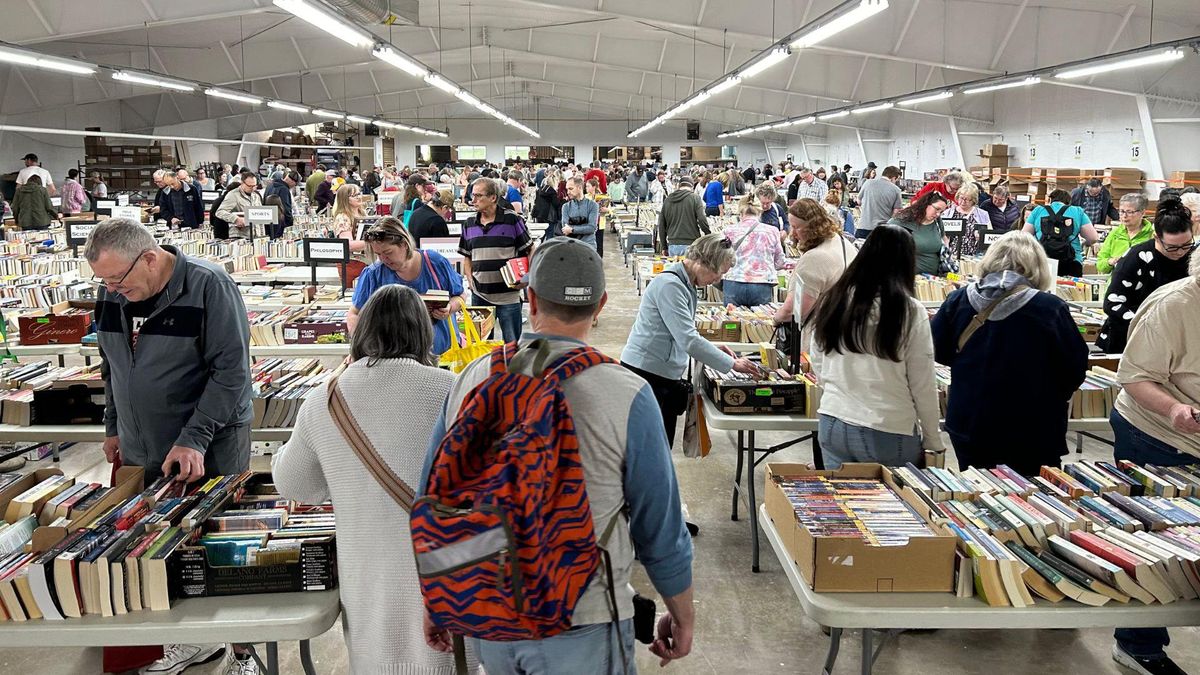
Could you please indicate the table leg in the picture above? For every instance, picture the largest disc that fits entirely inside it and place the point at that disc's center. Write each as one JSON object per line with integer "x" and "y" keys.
{"x": 737, "y": 477}
{"x": 306, "y": 658}
{"x": 54, "y": 450}
{"x": 835, "y": 642}
{"x": 272, "y": 658}
{"x": 752, "y": 502}
{"x": 818, "y": 458}
{"x": 868, "y": 651}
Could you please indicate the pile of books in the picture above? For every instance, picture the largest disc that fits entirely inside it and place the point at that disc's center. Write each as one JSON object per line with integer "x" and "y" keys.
{"x": 727, "y": 323}
{"x": 42, "y": 393}
{"x": 860, "y": 508}
{"x": 266, "y": 327}
{"x": 1075, "y": 289}
{"x": 280, "y": 387}
{"x": 931, "y": 288}
{"x": 1094, "y": 399}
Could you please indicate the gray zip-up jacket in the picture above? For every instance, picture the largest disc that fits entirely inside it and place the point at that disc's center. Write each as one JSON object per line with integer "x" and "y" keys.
{"x": 189, "y": 377}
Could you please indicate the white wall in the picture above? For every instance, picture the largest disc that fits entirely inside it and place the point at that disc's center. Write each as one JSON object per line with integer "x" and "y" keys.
{"x": 58, "y": 154}
{"x": 200, "y": 153}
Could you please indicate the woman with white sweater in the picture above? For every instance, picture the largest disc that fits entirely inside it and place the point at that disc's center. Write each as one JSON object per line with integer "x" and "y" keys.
{"x": 873, "y": 357}
{"x": 391, "y": 370}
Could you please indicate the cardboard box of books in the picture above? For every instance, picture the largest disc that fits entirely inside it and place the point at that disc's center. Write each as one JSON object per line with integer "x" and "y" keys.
{"x": 854, "y": 530}
{"x": 484, "y": 319}
{"x": 65, "y": 323}
{"x": 316, "y": 326}
{"x": 778, "y": 392}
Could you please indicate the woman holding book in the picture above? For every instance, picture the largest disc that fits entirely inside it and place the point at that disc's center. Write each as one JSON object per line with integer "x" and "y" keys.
{"x": 873, "y": 356}
{"x": 399, "y": 261}
{"x": 381, "y": 597}
{"x": 1016, "y": 358}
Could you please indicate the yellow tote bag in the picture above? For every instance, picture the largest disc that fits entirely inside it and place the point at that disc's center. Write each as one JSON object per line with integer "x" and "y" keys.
{"x": 457, "y": 357}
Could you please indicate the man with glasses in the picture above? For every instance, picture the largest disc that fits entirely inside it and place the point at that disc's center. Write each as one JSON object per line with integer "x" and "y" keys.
{"x": 491, "y": 238}
{"x": 175, "y": 346}
{"x": 1135, "y": 229}
{"x": 1095, "y": 201}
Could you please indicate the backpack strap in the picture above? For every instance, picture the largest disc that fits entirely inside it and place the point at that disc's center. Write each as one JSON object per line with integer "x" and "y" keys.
{"x": 574, "y": 362}
{"x": 392, "y": 484}
{"x": 981, "y": 318}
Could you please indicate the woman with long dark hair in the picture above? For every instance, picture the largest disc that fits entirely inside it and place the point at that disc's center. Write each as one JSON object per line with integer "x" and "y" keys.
{"x": 923, "y": 220}
{"x": 873, "y": 355}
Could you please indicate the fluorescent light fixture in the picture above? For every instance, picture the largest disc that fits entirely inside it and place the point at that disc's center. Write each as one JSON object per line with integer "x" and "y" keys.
{"x": 1003, "y": 85}
{"x": 731, "y": 81}
{"x": 865, "y": 10}
{"x": 803, "y": 121}
{"x": 331, "y": 114}
{"x": 442, "y": 83}
{"x": 384, "y": 124}
{"x": 467, "y": 97}
{"x": 152, "y": 81}
{"x": 833, "y": 115}
{"x": 358, "y": 119}
{"x": 283, "y": 105}
{"x": 389, "y": 54}
{"x": 402, "y": 127}
{"x": 926, "y": 99}
{"x": 780, "y": 125}
{"x": 22, "y": 57}
{"x": 769, "y": 59}
{"x": 699, "y": 98}
{"x": 328, "y": 22}
{"x": 1122, "y": 64}
{"x": 294, "y": 130}
{"x": 233, "y": 96}
{"x": 873, "y": 108}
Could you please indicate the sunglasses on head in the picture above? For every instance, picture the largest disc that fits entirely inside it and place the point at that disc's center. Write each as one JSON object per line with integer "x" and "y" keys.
{"x": 383, "y": 236}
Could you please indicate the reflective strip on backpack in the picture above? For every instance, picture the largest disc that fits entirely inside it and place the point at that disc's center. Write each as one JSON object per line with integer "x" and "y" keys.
{"x": 465, "y": 552}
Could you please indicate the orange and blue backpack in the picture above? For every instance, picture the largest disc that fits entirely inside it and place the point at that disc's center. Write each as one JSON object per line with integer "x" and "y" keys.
{"x": 503, "y": 533}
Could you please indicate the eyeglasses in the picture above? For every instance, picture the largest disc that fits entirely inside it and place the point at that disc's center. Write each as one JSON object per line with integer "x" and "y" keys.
{"x": 118, "y": 282}
{"x": 479, "y": 195}
{"x": 725, "y": 243}
{"x": 1128, "y": 213}
{"x": 1179, "y": 248}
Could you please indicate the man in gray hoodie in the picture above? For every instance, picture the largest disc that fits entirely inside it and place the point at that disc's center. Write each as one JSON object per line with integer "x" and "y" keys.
{"x": 176, "y": 347}
{"x": 682, "y": 219}
{"x": 637, "y": 186}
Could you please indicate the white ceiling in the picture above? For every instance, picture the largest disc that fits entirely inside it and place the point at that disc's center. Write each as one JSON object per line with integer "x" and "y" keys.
{"x": 572, "y": 59}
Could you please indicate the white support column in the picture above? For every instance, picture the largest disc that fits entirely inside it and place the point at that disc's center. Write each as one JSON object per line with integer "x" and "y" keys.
{"x": 958, "y": 149}
{"x": 1150, "y": 139}
{"x": 862, "y": 147}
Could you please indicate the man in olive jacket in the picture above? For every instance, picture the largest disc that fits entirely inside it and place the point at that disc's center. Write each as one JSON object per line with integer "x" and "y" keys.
{"x": 682, "y": 219}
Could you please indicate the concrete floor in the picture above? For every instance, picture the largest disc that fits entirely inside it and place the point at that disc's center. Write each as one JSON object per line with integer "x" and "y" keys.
{"x": 747, "y": 623}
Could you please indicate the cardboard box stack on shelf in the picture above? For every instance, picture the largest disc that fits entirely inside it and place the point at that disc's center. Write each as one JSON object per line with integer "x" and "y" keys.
{"x": 126, "y": 167}
{"x": 288, "y": 156}
{"x": 1182, "y": 179}
{"x": 1122, "y": 181}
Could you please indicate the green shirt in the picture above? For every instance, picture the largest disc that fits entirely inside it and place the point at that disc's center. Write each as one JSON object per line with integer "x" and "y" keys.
{"x": 310, "y": 185}
{"x": 928, "y": 241}
{"x": 1118, "y": 242}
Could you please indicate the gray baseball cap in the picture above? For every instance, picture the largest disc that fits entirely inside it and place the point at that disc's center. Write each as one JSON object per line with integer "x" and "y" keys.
{"x": 567, "y": 272}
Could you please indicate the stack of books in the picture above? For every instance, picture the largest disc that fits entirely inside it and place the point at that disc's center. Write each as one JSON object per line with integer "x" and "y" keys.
{"x": 280, "y": 387}
{"x": 861, "y": 508}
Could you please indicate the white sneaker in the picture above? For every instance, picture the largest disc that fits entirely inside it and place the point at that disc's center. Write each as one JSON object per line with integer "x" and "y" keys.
{"x": 177, "y": 657}
{"x": 235, "y": 666}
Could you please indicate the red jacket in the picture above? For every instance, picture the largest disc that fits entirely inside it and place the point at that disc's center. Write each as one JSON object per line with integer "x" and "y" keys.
{"x": 935, "y": 185}
{"x": 599, "y": 175}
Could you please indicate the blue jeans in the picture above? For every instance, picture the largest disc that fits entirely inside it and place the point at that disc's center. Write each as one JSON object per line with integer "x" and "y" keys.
{"x": 712, "y": 210}
{"x": 745, "y": 294}
{"x": 586, "y": 649}
{"x": 842, "y": 442}
{"x": 677, "y": 249}
{"x": 508, "y": 317}
{"x": 1135, "y": 445}
{"x": 860, "y": 233}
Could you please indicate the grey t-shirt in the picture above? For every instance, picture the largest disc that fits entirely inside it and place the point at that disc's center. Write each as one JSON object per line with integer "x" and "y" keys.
{"x": 879, "y": 198}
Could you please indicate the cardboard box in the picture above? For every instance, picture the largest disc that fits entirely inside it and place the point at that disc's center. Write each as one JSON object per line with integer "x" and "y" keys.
{"x": 994, "y": 150}
{"x": 54, "y": 328}
{"x": 990, "y": 162}
{"x": 849, "y": 565}
{"x": 27, "y": 481}
{"x": 190, "y": 574}
{"x": 307, "y": 332}
{"x": 1120, "y": 177}
{"x": 736, "y": 397}
{"x": 1182, "y": 179}
{"x": 729, "y": 331}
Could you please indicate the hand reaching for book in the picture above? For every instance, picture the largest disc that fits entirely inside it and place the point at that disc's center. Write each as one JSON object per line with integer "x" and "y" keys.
{"x": 191, "y": 463}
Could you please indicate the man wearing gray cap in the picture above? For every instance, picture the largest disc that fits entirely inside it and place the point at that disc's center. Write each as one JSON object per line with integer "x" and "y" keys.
{"x": 627, "y": 462}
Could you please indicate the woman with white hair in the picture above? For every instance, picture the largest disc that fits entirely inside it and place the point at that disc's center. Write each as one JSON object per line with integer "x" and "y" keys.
{"x": 975, "y": 219}
{"x": 1009, "y": 341}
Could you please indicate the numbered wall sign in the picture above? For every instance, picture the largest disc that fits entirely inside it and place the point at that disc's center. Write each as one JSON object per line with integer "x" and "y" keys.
{"x": 1078, "y": 149}
{"x": 942, "y": 151}
{"x": 1032, "y": 152}
{"x": 326, "y": 250}
{"x": 1135, "y": 151}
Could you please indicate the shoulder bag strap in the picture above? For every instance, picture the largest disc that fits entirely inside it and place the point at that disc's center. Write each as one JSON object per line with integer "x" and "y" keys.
{"x": 742, "y": 238}
{"x": 981, "y": 318}
{"x": 392, "y": 484}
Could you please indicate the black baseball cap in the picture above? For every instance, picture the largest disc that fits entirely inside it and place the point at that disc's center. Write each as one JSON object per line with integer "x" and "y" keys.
{"x": 30, "y": 157}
